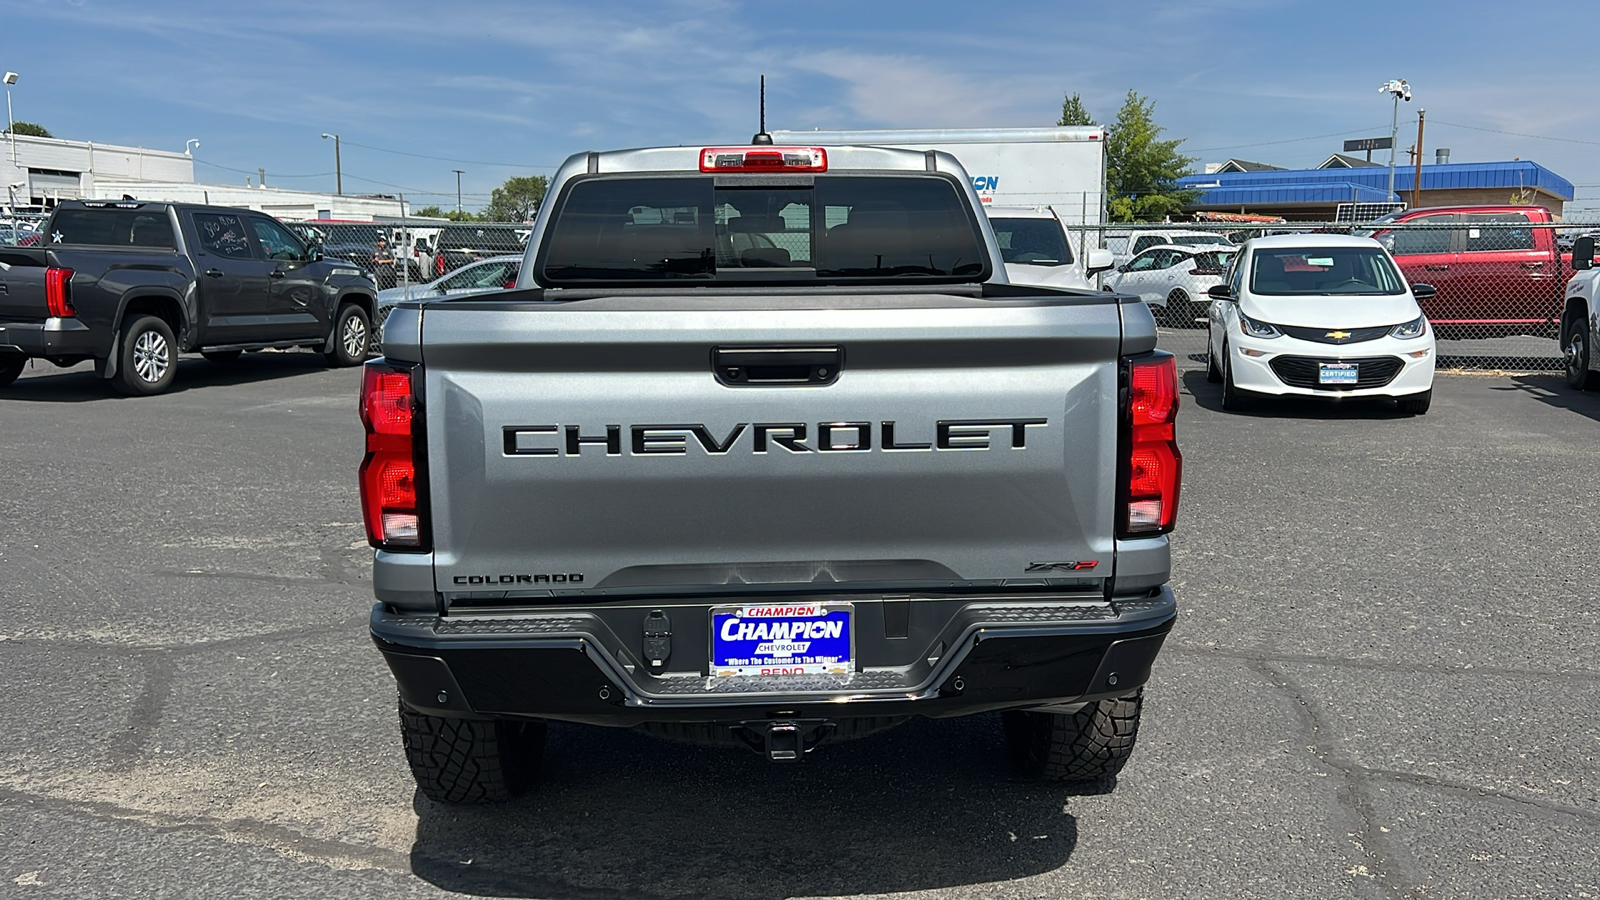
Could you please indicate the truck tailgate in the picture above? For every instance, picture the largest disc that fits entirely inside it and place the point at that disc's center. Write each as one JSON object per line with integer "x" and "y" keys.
{"x": 22, "y": 284}
{"x": 591, "y": 446}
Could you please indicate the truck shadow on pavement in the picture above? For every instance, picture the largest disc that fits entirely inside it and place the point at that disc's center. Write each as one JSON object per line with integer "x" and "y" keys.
{"x": 1552, "y": 390}
{"x": 930, "y": 804}
{"x": 1209, "y": 396}
{"x": 79, "y": 384}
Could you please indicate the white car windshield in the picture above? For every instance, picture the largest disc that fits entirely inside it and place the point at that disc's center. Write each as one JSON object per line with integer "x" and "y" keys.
{"x": 1034, "y": 242}
{"x": 1323, "y": 271}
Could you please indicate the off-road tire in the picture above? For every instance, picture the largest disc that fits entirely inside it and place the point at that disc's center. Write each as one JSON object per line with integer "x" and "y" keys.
{"x": 11, "y": 366}
{"x": 1233, "y": 399}
{"x": 352, "y": 337}
{"x": 462, "y": 761}
{"x": 1092, "y": 744}
{"x": 222, "y": 356}
{"x": 147, "y": 357}
{"x": 1578, "y": 353}
{"x": 1415, "y": 404}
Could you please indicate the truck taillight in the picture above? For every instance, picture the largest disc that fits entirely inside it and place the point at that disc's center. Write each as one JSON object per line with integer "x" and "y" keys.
{"x": 763, "y": 159}
{"x": 1152, "y": 467}
{"x": 58, "y": 292}
{"x": 391, "y": 492}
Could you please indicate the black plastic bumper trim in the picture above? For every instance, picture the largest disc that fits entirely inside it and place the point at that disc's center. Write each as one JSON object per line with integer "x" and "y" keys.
{"x": 572, "y": 677}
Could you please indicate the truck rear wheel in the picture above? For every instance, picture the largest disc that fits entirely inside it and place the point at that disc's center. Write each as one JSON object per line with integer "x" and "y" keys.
{"x": 1091, "y": 744}
{"x": 11, "y": 366}
{"x": 471, "y": 760}
{"x": 148, "y": 356}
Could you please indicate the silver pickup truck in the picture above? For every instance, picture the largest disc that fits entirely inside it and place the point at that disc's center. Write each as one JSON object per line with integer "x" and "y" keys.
{"x": 763, "y": 449}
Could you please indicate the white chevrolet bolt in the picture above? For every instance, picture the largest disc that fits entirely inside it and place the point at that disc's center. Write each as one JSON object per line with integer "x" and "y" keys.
{"x": 1315, "y": 315}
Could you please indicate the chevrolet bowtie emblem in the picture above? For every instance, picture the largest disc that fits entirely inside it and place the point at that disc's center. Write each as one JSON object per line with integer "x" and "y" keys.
{"x": 1337, "y": 335}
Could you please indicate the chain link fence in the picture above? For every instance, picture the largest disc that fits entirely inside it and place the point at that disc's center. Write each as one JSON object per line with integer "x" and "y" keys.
{"x": 22, "y": 229}
{"x": 1500, "y": 284}
{"x": 1498, "y": 308}
{"x": 413, "y": 258}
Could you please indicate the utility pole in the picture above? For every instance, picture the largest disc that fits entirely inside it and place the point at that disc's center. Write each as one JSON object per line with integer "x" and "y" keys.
{"x": 458, "y": 190}
{"x": 338, "y": 170}
{"x": 1416, "y": 186}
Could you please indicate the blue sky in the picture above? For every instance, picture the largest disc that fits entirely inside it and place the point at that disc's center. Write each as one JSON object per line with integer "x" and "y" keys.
{"x": 507, "y": 88}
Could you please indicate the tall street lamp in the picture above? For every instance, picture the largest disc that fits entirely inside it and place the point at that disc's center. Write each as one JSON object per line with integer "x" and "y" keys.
{"x": 338, "y": 170}
{"x": 458, "y": 190}
{"x": 1398, "y": 88}
{"x": 11, "y": 122}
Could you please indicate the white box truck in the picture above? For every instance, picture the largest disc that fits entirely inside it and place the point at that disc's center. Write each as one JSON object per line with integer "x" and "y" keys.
{"x": 1063, "y": 168}
{"x": 1057, "y": 169}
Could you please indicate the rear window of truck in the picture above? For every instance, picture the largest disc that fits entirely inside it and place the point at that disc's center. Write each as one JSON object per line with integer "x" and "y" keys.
{"x": 113, "y": 228}
{"x": 836, "y": 228}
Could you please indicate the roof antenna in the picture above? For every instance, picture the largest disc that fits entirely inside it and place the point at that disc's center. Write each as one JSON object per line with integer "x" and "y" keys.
{"x": 761, "y": 137}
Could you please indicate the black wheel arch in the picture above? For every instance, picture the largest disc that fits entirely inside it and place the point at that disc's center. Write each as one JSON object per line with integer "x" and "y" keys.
{"x": 166, "y": 306}
{"x": 1576, "y": 310}
{"x": 363, "y": 299}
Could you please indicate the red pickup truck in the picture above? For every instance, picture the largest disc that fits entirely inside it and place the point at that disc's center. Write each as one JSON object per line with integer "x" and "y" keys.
{"x": 1497, "y": 272}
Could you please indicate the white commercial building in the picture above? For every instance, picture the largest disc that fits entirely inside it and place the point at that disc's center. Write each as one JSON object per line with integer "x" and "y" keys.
{"x": 40, "y": 172}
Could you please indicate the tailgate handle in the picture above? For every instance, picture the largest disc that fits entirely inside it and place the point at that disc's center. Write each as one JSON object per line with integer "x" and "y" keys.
{"x": 776, "y": 366}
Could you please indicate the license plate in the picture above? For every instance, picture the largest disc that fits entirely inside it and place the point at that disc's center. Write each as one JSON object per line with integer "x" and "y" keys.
{"x": 778, "y": 639}
{"x": 1337, "y": 373}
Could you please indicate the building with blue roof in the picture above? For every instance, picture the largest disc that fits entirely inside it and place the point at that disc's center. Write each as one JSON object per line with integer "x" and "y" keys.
{"x": 1311, "y": 195}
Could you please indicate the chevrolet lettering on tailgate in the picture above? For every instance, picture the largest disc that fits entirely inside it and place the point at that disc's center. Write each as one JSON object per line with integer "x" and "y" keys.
{"x": 831, "y": 437}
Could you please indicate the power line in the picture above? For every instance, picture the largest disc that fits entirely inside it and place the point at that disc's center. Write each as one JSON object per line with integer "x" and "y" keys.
{"x": 1316, "y": 137}
{"x": 475, "y": 162}
{"x": 1540, "y": 137}
{"x": 249, "y": 172}
{"x": 411, "y": 190}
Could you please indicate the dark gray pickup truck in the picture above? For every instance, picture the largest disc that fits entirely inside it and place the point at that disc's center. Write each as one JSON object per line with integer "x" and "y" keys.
{"x": 764, "y": 450}
{"x": 131, "y": 285}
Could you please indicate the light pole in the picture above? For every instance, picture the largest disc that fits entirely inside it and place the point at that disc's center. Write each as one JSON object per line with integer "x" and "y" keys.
{"x": 338, "y": 169}
{"x": 191, "y": 145}
{"x": 1398, "y": 88}
{"x": 458, "y": 190}
{"x": 11, "y": 122}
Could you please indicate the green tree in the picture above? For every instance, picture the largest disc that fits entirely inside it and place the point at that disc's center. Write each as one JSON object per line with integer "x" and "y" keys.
{"x": 436, "y": 212}
{"x": 1141, "y": 169}
{"x": 516, "y": 200}
{"x": 30, "y": 129}
{"x": 1073, "y": 112}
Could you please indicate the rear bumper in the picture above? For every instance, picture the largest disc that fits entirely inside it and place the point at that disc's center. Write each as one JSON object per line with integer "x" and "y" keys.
{"x": 570, "y": 664}
{"x": 53, "y": 337}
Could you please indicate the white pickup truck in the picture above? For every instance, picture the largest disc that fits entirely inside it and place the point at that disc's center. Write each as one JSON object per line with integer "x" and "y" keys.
{"x": 1580, "y": 319}
{"x": 1036, "y": 249}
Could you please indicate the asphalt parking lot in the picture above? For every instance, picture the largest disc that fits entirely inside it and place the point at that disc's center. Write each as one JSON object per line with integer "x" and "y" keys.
{"x": 1384, "y": 682}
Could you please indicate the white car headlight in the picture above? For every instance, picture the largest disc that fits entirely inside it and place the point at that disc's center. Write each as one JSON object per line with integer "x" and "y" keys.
{"x": 1257, "y": 329}
{"x": 1413, "y": 329}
